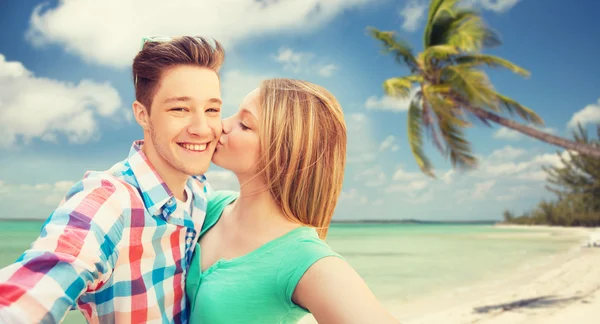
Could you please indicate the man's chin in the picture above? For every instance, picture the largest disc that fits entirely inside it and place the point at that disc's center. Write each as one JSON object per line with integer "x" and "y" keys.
{"x": 196, "y": 170}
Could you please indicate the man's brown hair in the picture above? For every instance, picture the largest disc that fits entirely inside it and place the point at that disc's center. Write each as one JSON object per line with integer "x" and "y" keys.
{"x": 157, "y": 56}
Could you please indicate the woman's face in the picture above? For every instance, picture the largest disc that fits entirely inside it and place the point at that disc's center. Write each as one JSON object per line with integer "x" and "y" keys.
{"x": 238, "y": 148}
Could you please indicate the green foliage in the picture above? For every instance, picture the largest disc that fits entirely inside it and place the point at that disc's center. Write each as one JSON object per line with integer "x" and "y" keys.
{"x": 576, "y": 184}
{"x": 450, "y": 79}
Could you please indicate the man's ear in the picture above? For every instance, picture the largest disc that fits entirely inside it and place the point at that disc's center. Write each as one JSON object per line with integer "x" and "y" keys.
{"x": 141, "y": 114}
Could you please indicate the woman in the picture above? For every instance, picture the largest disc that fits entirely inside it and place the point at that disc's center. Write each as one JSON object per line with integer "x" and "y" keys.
{"x": 261, "y": 257}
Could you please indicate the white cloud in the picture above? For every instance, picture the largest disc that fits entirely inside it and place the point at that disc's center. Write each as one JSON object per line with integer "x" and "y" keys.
{"x": 235, "y": 86}
{"x": 358, "y": 117}
{"x": 303, "y": 62}
{"x": 588, "y": 115}
{"x": 46, "y": 195}
{"x": 327, "y": 70}
{"x": 498, "y": 5}
{"x": 361, "y": 158}
{"x": 372, "y": 177}
{"x": 482, "y": 188}
{"x": 34, "y": 107}
{"x": 81, "y": 27}
{"x": 378, "y": 202}
{"x": 448, "y": 175}
{"x": 408, "y": 187}
{"x": 389, "y": 103}
{"x": 389, "y": 143}
{"x": 477, "y": 191}
{"x": 508, "y": 134}
{"x": 524, "y": 170}
{"x": 353, "y": 196}
{"x": 515, "y": 192}
{"x": 538, "y": 176}
{"x": 291, "y": 60}
{"x": 402, "y": 175}
{"x": 411, "y": 184}
{"x": 507, "y": 153}
{"x": 362, "y": 147}
{"x": 411, "y": 193}
{"x": 413, "y": 14}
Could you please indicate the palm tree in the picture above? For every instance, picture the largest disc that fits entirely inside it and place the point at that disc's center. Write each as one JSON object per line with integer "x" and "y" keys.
{"x": 452, "y": 88}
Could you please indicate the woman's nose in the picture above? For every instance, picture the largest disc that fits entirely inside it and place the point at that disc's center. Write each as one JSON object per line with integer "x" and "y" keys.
{"x": 227, "y": 124}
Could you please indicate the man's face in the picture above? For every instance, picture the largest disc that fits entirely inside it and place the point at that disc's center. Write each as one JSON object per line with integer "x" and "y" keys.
{"x": 184, "y": 124}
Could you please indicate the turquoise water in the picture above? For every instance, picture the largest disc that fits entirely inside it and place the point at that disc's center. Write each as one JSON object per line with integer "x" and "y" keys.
{"x": 398, "y": 261}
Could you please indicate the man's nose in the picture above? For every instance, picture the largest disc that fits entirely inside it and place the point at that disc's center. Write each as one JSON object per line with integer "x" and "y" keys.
{"x": 199, "y": 126}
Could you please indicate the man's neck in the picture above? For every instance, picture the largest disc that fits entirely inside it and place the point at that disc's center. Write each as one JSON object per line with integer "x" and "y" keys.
{"x": 175, "y": 180}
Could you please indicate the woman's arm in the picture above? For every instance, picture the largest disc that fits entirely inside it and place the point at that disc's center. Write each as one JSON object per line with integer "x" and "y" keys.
{"x": 334, "y": 293}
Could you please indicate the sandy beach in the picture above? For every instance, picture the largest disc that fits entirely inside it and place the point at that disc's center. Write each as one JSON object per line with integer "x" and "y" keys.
{"x": 563, "y": 288}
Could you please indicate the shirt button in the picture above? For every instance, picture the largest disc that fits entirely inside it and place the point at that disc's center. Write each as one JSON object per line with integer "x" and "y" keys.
{"x": 170, "y": 202}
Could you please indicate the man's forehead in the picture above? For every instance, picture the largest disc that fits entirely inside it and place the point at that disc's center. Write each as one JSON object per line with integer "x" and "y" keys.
{"x": 190, "y": 79}
{"x": 176, "y": 98}
{"x": 188, "y": 91}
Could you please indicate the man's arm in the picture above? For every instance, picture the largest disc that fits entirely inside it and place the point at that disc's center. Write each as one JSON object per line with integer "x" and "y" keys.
{"x": 73, "y": 254}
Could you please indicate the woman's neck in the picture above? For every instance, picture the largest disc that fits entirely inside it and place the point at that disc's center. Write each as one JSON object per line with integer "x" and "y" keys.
{"x": 256, "y": 209}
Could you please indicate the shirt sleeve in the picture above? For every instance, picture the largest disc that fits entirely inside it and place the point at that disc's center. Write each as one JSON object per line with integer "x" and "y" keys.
{"x": 300, "y": 257}
{"x": 74, "y": 254}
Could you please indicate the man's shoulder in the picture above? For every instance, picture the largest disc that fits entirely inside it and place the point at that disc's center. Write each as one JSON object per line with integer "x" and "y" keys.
{"x": 120, "y": 174}
{"x": 118, "y": 179}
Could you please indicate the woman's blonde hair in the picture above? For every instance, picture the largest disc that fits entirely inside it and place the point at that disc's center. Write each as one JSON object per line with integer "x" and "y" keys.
{"x": 303, "y": 149}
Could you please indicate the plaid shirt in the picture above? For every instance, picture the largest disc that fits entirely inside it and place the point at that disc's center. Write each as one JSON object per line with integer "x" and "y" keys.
{"x": 116, "y": 248}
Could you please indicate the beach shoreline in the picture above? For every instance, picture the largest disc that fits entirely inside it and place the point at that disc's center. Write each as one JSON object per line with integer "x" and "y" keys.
{"x": 561, "y": 288}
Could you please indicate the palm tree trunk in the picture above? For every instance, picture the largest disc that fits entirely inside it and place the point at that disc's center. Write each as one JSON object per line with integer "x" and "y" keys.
{"x": 535, "y": 133}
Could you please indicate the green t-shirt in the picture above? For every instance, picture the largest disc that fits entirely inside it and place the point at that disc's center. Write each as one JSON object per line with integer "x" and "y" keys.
{"x": 256, "y": 287}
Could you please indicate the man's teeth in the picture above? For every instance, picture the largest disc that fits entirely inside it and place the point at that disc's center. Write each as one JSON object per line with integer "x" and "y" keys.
{"x": 194, "y": 147}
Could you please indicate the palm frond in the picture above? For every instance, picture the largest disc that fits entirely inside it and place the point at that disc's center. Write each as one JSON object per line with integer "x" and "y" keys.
{"x": 474, "y": 60}
{"x": 438, "y": 53}
{"x": 429, "y": 123}
{"x": 400, "y": 49}
{"x": 439, "y": 97}
{"x": 471, "y": 84}
{"x": 415, "y": 136}
{"x": 450, "y": 124}
{"x": 512, "y": 106}
{"x": 401, "y": 87}
{"x": 458, "y": 148}
{"x": 469, "y": 33}
{"x": 438, "y": 10}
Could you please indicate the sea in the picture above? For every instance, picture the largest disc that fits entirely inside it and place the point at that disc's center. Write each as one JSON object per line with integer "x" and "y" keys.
{"x": 399, "y": 262}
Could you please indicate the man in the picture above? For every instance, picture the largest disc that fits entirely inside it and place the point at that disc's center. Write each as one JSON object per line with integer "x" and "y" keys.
{"x": 119, "y": 245}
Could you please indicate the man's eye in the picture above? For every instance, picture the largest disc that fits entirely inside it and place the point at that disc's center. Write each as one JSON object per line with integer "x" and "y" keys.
{"x": 178, "y": 109}
{"x": 216, "y": 110}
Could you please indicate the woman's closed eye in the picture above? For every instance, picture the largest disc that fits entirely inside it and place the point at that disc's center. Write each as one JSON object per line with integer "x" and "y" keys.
{"x": 243, "y": 127}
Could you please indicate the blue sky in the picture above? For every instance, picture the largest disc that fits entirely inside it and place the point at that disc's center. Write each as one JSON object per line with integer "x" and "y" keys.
{"x": 66, "y": 93}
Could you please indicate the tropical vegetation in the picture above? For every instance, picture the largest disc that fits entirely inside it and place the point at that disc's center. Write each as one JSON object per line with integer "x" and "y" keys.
{"x": 448, "y": 88}
{"x": 576, "y": 185}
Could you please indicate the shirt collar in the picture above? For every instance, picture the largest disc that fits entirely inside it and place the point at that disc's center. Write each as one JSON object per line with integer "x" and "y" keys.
{"x": 153, "y": 189}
